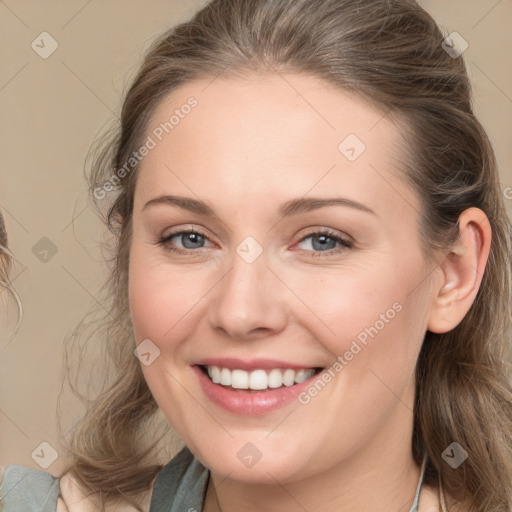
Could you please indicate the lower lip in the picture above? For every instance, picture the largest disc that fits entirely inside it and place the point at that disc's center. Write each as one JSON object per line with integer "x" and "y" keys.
{"x": 248, "y": 402}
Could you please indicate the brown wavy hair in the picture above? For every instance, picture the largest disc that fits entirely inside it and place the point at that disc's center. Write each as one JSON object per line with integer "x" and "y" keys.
{"x": 7, "y": 289}
{"x": 390, "y": 53}
{"x": 5, "y": 258}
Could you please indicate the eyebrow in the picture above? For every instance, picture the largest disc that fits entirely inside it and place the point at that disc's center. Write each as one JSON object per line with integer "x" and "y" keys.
{"x": 288, "y": 209}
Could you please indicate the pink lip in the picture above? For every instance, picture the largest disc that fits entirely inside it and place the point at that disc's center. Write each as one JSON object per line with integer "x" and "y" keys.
{"x": 247, "y": 402}
{"x": 254, "y": 364}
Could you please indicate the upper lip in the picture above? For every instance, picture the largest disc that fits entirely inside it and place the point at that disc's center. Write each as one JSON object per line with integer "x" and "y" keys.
{"x": 252, "y": 364}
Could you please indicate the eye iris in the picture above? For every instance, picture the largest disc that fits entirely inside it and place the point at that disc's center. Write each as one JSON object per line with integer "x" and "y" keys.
{"x": 320, "y": 242}
{"x": 323, "y": 243}
{"x": 191, "y": 237}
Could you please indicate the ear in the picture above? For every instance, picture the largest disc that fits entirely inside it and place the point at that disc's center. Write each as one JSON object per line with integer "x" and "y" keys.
{"x": 461, "y": 272}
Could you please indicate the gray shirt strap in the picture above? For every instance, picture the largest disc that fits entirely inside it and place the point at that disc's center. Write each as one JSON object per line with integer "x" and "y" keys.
{"x": 416, "y": 501}
{"x": 181, "y": 485}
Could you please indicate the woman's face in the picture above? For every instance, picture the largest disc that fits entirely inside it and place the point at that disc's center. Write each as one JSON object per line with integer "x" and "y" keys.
{"x": 304, "y": 254}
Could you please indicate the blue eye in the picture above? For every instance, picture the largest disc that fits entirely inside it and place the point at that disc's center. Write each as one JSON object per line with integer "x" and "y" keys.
{"x": 323, "y": 242}
{"x": 190, "y": 240}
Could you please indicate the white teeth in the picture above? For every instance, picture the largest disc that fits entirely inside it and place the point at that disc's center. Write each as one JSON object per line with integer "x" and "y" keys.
{"x": 289, "y": 377}
{"x": 214, "y": 373}
{"x": 275, "y": 378}
{"x": 301, "y": 376}
{"x": 239, "y": 379}
{"x": 225, "y": 377}
{"x": 258, "y": 379}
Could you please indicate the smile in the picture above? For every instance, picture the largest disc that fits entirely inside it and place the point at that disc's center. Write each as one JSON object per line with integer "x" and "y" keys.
{"x": 252, "y": 387}
{"x": 260, "y": 379}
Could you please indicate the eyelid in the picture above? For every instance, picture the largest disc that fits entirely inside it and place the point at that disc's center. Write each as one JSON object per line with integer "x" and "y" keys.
{"x": 184, "y": 228}
{"x": 182, "y": 231}
{"x": 343, "y": 246}
{"x": 344, "y": 243}
{"x": 325, "y": 230}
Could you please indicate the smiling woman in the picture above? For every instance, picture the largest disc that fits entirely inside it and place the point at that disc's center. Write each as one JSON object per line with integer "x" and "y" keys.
{"x": 326, "y": 222}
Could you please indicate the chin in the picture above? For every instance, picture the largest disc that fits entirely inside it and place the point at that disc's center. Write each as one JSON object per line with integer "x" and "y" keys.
{"x": 261, "y": 463}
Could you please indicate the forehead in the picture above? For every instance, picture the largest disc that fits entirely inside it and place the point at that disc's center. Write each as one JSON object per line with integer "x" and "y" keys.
{"x": 271, "y": 134}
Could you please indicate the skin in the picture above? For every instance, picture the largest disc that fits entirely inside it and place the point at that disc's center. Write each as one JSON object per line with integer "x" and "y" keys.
{"x": 250, "y": 145}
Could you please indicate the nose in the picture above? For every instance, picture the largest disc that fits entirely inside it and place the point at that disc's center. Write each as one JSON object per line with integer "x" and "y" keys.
{"x": 249, "y": 302}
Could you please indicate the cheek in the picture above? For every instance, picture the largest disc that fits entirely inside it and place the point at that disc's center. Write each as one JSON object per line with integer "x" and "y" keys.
{"x": 368, "y": 315}
{"x": 164, "y": 300}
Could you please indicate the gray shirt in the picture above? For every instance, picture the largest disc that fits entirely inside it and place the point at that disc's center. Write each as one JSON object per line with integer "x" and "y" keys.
{"x": 179, "y": 487}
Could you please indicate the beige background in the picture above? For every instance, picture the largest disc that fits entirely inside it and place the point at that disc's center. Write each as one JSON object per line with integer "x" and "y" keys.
{"x": 51, "y": 109}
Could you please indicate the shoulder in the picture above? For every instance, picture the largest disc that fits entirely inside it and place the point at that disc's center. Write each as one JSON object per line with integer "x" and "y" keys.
{"x": 76, "y": 498}
{"x": 182, "y": 481}
{"x": 24, "y": 488}
{"x": 179, "y": 485}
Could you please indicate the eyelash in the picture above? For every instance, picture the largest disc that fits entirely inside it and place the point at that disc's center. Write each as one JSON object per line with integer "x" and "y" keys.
{"x": 345, "y": 244}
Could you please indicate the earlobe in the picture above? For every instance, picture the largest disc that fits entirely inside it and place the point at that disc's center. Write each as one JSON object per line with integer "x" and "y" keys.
{"x": 462, "y": 271}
